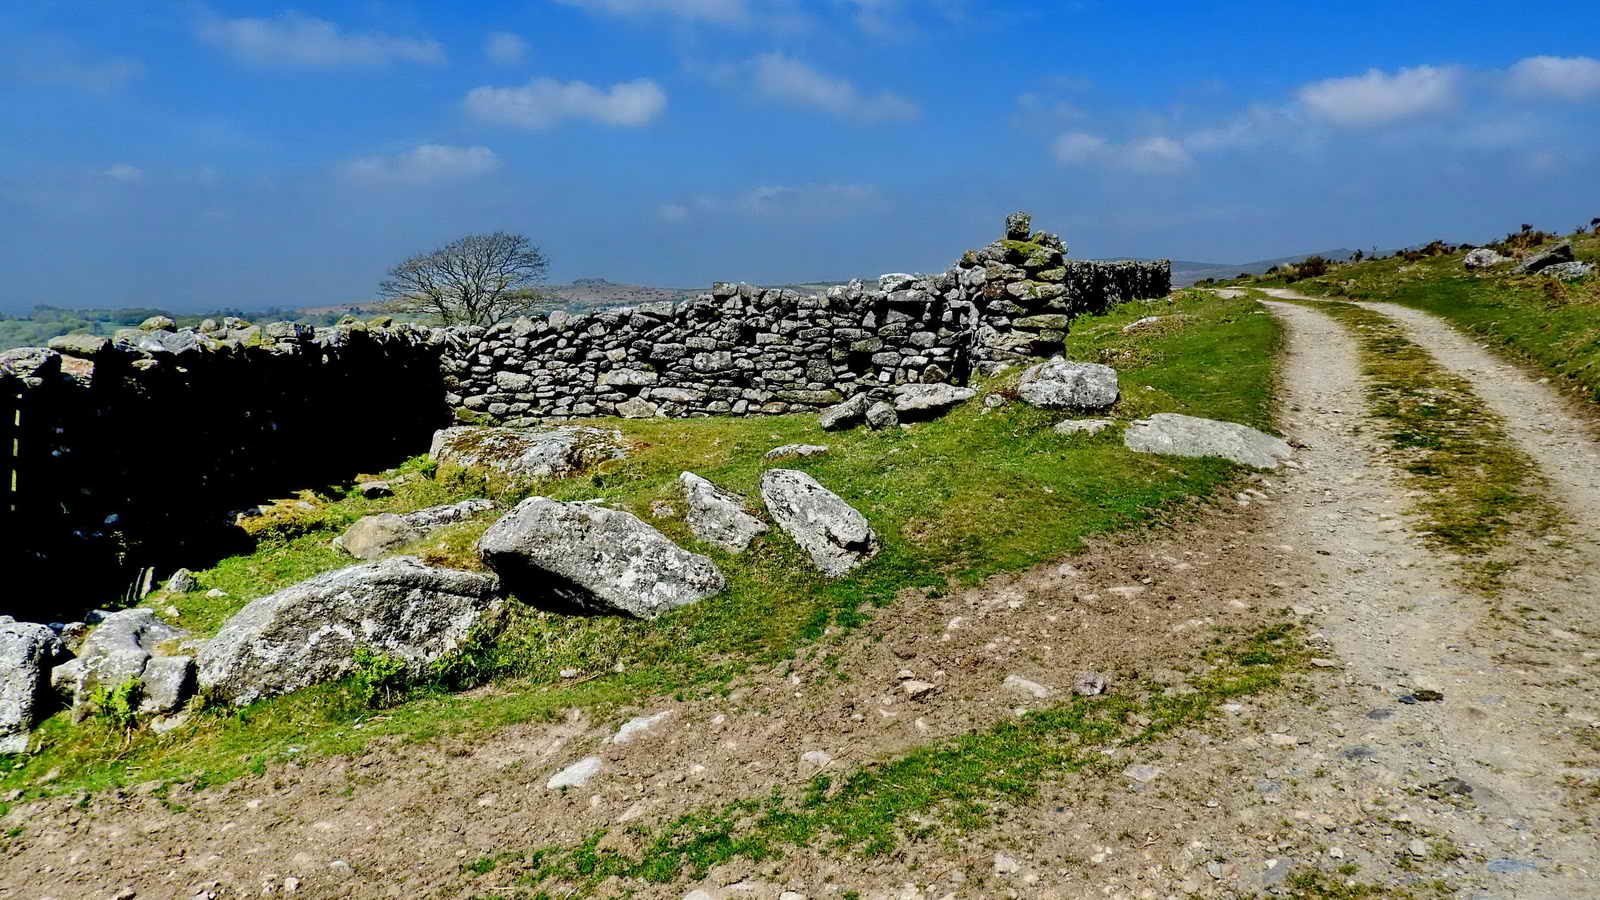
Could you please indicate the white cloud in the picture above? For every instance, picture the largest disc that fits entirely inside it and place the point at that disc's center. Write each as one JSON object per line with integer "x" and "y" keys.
{"x": 293, "y": 40}
{"x": 1157, "y": 156}
{"x": 1379, "y": 98}
{"x": 779, "y": 201}
{"x": 1076, "y": 147}
{"x": 428, "y": 164}
{"x": 545, "y": 102}
{"x": 124, "y": 173}
{"x": 774, "y": 76}
{"x": 725, "y": 12}
{"x": 505, "y": 49}
{"x": 56, "y": 62}
{"x": 1149, "y": 156}
{"x": 1566, "y": 77}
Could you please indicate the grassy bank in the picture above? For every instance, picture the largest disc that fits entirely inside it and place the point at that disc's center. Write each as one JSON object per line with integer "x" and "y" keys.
{"x": 1548, "y": 324}
{"x": 956, "y": 500}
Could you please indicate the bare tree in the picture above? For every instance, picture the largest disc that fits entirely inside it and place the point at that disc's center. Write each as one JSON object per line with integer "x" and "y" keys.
{"x": 480, "y": 279}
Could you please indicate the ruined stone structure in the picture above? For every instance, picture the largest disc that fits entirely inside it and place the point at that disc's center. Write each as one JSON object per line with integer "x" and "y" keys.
{"x": 742, "y": 350}
{"x": 126, "y": 453}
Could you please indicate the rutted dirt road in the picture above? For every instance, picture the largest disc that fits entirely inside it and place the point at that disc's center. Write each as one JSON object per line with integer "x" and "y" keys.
{"x": 1338, "y": 774}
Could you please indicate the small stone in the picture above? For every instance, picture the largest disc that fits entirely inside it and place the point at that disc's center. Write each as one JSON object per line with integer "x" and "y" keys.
{"x": 1082, "y": 426}
{"x": 1336, "y": 853}
{"x": 1090, "y": 684}
{"x": 816, "y": 758}
{"x": 1142, "y": 773}
{"x": 1278, "y": 739}
{"x": 882, "y": 415}
{"x": 1417, "y": 848}
{"x": 1427, "y": 695}
{"x": 216, "y": 594}
{"x": 1006, "y": 865}
{"x": 291, "y": 884}
{"x": 917, "y": 690}
{"x": 575, "y": 775}
{"x": 1022, "y": 685}
{"x": 1322, "y": 663}
{"x": 1507, "y": 866}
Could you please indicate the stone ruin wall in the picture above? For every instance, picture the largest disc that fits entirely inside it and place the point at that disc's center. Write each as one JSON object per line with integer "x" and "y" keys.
{"x": 126, "y": 453}
{"x": 743, "y": 350}
{"x": 117, "y": 455}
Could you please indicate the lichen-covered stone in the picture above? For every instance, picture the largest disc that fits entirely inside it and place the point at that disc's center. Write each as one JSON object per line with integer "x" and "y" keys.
{"x": 308, "y": 633}
{"x": 835, "y": 535}
{"x": 516, "y": 453}
{"x": 716, "y": 516}
{"x": 585, "y": 557}
{"x": 1179, "y": 435}
{"x": 26, "y": 652}
{"x": 1063, "y": 384}
{"x": 373, "y": 536}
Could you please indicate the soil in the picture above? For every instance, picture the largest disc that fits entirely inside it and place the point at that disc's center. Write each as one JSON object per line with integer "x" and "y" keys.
{"x": 1485, "y": 792}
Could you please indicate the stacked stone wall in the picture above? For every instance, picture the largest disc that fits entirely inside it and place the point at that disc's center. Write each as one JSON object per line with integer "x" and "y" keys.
{"x": 128, "y": 454}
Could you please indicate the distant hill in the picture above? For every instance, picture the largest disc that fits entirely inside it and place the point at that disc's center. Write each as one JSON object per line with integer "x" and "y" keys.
{"x": 1186, "y": 272}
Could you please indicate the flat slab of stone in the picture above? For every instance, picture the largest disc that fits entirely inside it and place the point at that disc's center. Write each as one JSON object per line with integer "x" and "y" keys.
{"x": 1082, "y": 426}
{"x": 1063, "y": 384}
{"x": 26, "y": 652}
{"x": 925, "y": 401}
{"x": 1550, "y": 256}
{"x": 373, "y": 536}
{"x": 1173, "y": 434}
{"x": 834, "y": 533}
{"x": 585, "y": 557}
{"x": 308, "y": 633}
{"x": 522, "y": 453}
{"x": 1568, "y": 271}
{"x": 800, "y": 450}
{"x": 717, "y": 516}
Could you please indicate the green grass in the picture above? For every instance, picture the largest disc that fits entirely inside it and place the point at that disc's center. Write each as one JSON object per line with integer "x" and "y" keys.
{"x": 958, "y": 784}
{"x": 955, "y": 501}
{"x": 1476, "y": 488}
{"x": 1532, "y": 318}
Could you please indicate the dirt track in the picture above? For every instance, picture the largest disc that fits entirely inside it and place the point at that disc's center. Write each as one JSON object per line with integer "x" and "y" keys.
{"x": 1336, "y": 771}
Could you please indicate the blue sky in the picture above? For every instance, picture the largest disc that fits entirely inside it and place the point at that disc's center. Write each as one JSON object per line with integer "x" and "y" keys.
{"x": 195, "y": 155}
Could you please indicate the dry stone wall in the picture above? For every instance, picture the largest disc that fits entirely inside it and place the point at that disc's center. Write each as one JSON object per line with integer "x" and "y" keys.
{"x": 742, "y": 350}
{"x": 128, "y": 453}
{"x": 123, "y": 456}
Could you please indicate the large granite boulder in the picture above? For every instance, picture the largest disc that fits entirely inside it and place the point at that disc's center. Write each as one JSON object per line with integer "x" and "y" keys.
{"x": 1483, "y": 258}
{"x": 585, "y": 557}
{"x": 833, "y": 532}
{"x": 373, "y": 536}
{"x": 117, "y": 651}
{"x": 26, "y": 652}
{"x": 718, "y": 517}
{"x": 1568, "y": 271}
{"x": 309, "y": 633}
{"x": 1063, "y": 384}
{"x": 523, "y": 454}
{"x": 1550, "y": 256}
{"x": 926, "y": 401}
{"x": 1173, "y": 434}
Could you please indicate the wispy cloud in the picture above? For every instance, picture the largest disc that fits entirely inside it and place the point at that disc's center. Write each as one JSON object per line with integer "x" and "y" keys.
{"x": 292, "y": 40}
{"x": 1381, "y": 98}
{"x": 725, "y": 12}
{"x": 1563, "y": 77}
{"x": 57, "y": 62}
{"x": 784, "y": 79}
{"x": 546, "y": 102}
{"x": 505, "y": 49}
{"x": 422, "y": 166}
{"x": 818, "y": 201}
{"x": 1156, "y": 155}
{"x": 124, "y": 173}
